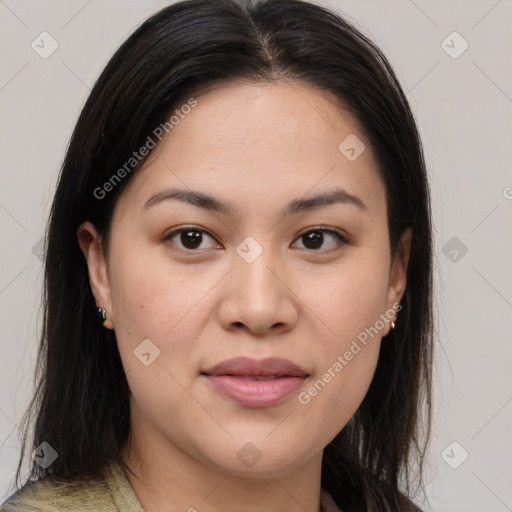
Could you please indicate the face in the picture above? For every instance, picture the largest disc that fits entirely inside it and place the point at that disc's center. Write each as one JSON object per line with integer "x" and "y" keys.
{"x": 259, "y": 271}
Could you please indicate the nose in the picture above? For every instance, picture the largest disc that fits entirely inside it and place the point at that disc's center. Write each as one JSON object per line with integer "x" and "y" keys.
{"x": 258, "y": 297}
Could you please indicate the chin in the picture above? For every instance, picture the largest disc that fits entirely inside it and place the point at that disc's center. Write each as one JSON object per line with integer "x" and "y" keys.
{"x": 255, "y": 458}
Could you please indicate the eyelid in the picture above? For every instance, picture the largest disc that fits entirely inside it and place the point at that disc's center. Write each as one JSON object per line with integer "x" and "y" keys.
{"x": 342, "y": 238}
{"x": 326, "y": 229}
{"x": 186, "y": 227}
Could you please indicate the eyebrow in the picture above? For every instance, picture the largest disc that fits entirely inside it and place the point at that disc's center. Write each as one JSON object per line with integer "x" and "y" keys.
{"x": 201, "y": 200}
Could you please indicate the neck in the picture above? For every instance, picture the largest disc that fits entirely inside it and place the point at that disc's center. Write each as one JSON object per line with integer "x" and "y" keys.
{"x": 171, "y": 480}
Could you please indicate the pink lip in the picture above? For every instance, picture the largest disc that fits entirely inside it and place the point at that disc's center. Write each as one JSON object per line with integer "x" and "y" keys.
{"x": 243, "y": 380}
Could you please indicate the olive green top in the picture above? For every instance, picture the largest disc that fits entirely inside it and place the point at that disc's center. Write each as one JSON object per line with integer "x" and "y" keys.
{"x": 113, "y": 493}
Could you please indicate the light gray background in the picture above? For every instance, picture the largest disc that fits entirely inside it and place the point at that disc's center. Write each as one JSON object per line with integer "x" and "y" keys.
{"x": 463, "y": 108}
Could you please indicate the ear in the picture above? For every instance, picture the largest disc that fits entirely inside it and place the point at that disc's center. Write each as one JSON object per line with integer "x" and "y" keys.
{"x": 89, "y": 241}
{"x": 398, "y": 272}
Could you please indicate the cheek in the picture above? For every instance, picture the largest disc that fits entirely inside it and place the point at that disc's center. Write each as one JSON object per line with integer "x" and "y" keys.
{"x": 159, "y": 315}
{"x": 347, "y": 306}
{"x": 348, "y": 298}
{"x": 347, "y": 358}
{"x": 158, "y": 311}
{"x": 151, "y": 296}
{"x": 335, "y": 394}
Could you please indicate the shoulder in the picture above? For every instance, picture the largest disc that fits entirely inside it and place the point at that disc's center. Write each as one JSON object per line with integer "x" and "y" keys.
{"x": 57, "y": 495}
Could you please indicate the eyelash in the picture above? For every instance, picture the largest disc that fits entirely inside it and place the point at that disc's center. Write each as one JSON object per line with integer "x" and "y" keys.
{"x": 342, "y": 239}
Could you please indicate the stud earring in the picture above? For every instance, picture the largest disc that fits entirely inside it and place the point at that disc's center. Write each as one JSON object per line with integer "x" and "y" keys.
{"x": 103, "y": 314}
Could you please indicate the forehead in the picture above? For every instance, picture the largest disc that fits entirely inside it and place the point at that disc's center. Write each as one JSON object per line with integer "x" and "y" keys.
{"x": 288, "y": 116}
{"x": 245, "y": 139}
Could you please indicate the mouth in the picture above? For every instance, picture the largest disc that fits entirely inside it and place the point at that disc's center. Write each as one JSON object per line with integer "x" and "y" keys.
{"x": 253, "y": 383}
{"x": 258, "y": 377}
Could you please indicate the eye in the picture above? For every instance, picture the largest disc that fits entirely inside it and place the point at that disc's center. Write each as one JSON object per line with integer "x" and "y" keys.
{"x": 190, "y": 238}
{"x": 314, "y": 238}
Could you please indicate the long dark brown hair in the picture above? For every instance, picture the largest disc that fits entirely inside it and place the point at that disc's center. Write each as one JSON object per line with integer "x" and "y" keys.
{"x": 81, "y": 401}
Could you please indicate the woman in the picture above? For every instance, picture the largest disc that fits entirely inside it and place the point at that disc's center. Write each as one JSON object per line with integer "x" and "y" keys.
{"x": 238, "y": 275}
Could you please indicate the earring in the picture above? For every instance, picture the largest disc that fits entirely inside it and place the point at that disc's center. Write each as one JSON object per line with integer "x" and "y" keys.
{"x": 103, "y": 314}
{"x": 393, "y": 325}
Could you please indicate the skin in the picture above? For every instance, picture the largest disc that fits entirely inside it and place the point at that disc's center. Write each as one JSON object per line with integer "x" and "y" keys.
{"x": 258, "y": 147}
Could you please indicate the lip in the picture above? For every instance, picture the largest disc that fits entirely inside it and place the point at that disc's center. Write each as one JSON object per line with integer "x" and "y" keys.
{"x": 256, "y": 383}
